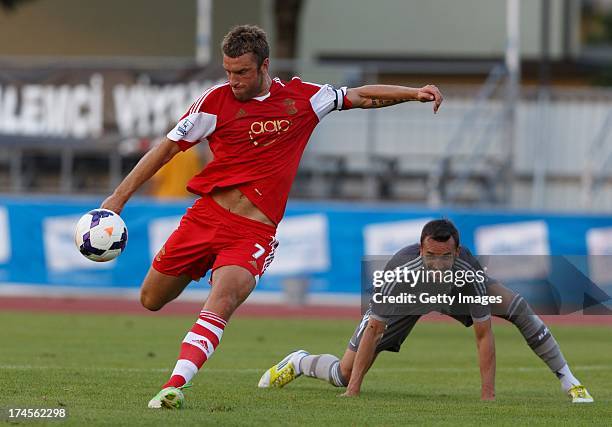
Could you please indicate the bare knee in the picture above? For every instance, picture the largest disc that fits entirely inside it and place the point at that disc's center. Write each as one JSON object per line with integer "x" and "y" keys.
{"x": 149, "y": 301}
{"x": 158, "y": 289}
{"x": 231, "y": 286}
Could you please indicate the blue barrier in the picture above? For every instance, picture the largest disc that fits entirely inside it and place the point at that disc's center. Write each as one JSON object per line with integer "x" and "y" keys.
{"x": 323, "y": 241}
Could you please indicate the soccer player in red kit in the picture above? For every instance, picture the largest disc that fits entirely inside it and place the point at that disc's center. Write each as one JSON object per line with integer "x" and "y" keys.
{"x": 257, "y": 128}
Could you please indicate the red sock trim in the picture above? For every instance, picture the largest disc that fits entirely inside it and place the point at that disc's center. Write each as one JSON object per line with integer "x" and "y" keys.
{"x": 201, "y": 330}
{"x": 193, "y": 353}
{"x": 175, "y": 381}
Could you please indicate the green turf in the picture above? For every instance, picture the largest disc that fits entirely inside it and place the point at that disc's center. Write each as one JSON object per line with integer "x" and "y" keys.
{"x": 104, "y": 369}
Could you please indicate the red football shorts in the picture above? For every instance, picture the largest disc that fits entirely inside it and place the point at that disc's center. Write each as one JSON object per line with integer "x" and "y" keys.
{"x": 209, "y": 237}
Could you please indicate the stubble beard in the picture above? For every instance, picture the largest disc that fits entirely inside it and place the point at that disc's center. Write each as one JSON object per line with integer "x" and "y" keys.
{"x": 246, "y": 96}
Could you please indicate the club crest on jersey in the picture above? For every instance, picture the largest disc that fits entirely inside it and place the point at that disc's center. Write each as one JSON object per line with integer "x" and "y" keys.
{"x": 184, "y": 127}
{"x": 290, "y": 106}
{"x": 268, "y": 128}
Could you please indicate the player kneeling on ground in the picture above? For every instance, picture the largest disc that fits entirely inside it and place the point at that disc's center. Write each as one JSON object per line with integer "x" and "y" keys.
{"x": 375, "y": 333}
{"x": 380, "y": 330}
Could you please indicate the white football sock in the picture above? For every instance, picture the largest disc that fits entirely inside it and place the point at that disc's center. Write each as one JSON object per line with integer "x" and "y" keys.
{"x": 568, "y": 380}
{"x": 323, "y": 366}
{"x": 296, "y": 359}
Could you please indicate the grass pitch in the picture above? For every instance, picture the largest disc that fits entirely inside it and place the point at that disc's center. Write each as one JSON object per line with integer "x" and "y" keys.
{"x": 104, "y": 368}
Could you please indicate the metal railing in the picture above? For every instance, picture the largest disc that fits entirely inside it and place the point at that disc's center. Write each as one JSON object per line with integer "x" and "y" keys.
{"x": 399, "y": 153}
{"x": 598, "y": 164}
{"x": 436, "y": 184}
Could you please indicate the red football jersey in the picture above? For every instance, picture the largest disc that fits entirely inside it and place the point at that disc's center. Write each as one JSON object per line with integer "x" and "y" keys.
{"x": 257, "y": 144}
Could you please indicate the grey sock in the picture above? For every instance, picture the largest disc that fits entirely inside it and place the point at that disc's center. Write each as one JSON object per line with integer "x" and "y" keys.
{"x": 536, "y": 333}
{"x": 325, "y": 367}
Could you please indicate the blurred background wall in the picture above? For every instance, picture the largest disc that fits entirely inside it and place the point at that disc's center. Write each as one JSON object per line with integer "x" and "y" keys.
{"x": 87, "y": 87}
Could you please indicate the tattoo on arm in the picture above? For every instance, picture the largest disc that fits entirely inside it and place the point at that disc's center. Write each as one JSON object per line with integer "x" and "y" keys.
{"x": 376, "y": 103}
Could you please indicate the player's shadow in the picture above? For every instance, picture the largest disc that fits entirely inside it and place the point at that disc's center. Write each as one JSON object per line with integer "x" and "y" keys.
{"x": 427, "y": 395}
{"x": 319, "y": 387}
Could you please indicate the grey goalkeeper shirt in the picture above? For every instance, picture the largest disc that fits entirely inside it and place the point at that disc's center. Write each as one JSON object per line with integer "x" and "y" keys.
{"x": 462, "y": 291}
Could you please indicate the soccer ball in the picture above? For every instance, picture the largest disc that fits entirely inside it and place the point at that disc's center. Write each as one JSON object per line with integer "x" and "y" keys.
{"x": 101, "y": 235}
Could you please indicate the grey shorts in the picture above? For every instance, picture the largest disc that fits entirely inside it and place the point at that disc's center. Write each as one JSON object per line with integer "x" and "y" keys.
{"x": 398, "y": 329}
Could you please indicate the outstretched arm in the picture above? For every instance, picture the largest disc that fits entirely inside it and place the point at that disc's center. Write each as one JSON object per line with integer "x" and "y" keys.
{"x": 365, "y": 355}
{"x": 377, "y": 96}
{"x": 148, "y": 165}
{"x": 486, "y": 355}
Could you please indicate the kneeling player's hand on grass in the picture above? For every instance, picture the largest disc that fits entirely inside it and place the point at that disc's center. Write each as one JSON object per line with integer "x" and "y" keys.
{"x": 350, "y": 393}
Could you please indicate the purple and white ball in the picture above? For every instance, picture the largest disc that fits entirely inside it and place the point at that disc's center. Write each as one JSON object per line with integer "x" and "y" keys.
{"x": 101, "y": 235}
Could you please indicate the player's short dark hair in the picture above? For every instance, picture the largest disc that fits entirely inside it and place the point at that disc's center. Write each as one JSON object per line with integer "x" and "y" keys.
{"x": 246, "y": 39}
{"x": 440, "y": 230}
